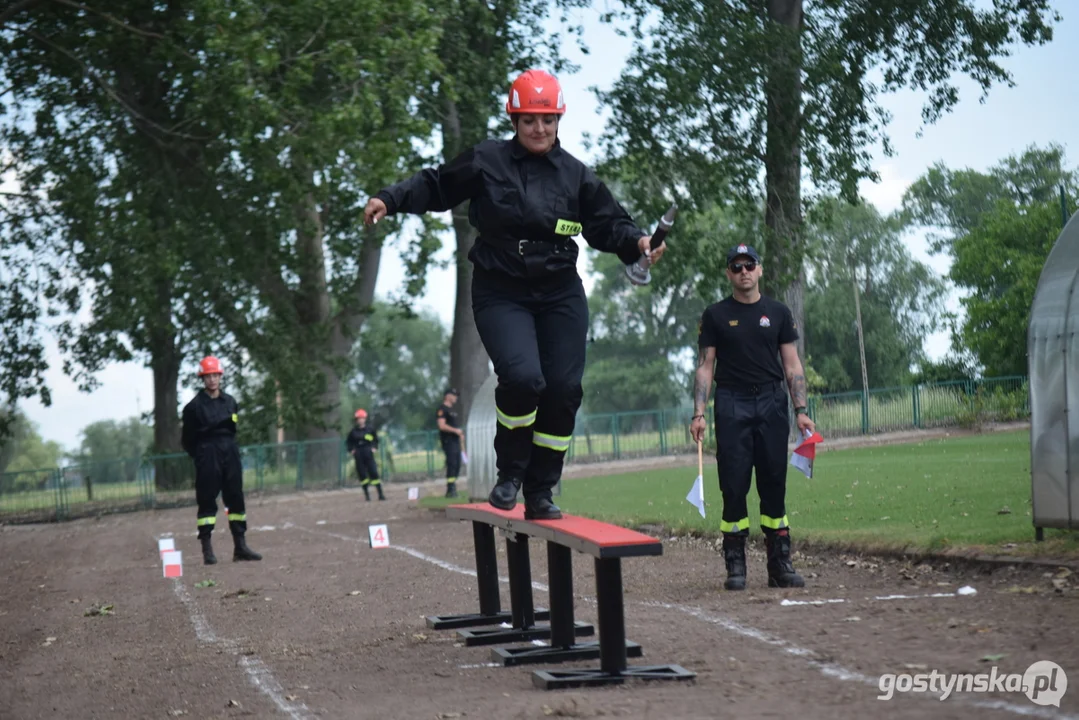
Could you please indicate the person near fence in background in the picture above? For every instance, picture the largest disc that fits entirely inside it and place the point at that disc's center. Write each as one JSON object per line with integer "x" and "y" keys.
{"x": 209, "y": 437}
{"x": 528, "y": 198}
{"x": 361, "y": 443}
{"x": 747, "y": 343}
{"x": 452, "y": 438}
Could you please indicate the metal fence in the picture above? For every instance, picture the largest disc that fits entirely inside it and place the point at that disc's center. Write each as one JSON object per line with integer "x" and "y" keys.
{"x": 156, "y": 481}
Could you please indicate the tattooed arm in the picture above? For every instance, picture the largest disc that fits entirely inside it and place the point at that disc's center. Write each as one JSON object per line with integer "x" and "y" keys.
{"x": 706, "y": 360}
{"x": 702, "y": 385}
{"x": 796, "y": 380}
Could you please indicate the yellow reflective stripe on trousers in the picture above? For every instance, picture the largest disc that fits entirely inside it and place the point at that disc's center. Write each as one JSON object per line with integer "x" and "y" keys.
{"x": 774, "y": 523}
{"x": 451, "y": 481}
{"x": 376, "y": 482}
{"x": 727, "y": 527}
{"x": 237, "y": 517}
{"x": 559, "y": 443}
{"x": 212, "y": 520}
{"x": 512, "y": 422}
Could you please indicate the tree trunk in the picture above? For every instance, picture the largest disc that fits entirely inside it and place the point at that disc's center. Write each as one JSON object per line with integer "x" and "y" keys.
{"x": 469, "y": 364}
{"x": 165, "y": 359}
{"x": 784, "y": 274}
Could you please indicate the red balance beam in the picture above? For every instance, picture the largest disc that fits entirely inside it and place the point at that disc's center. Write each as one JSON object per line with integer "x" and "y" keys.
{"x": 592, "y": 537}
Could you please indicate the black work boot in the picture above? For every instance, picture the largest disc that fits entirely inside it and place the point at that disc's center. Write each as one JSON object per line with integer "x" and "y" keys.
{"x": 504, "y": 494}
{"x": 366, "y": 494}
{"x": 541, "y": 508}
{"x": 208, "y": 556}
{"x": 451, "y": 490}
{"x": 734, "y": 555}
{"x": 780, "y": 571}
{"x": 381, "y": 496}
{"x": 242, "y": 552}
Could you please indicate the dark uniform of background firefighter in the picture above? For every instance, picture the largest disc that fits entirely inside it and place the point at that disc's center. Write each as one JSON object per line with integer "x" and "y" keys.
{"x": 750, "y": 338}
{"x": 361, "y": 443}
{"x": 209, "y": 437}
{"x": 452, "y": 437}
{"x": 529, "y": 198}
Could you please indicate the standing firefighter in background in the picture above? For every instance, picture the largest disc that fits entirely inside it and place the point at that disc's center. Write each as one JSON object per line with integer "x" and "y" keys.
{"x": 209, "y": 437}
{"x": 452, "y": 438}
{"x": 748, "y": 341}
{"x": 361, "y": 443}
{"x": 528, "y": 198}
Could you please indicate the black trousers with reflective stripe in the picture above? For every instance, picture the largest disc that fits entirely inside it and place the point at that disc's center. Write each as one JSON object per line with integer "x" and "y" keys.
{"x": 218, "y": 469}
{"x": 366, "y": 469}
{"x": 451, "y": 448}
{"x": 536, "y": 339}
{"x": 751, "y": 434}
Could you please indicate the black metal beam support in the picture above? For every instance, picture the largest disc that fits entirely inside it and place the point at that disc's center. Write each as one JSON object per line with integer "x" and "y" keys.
{"x": 486, "y": 568}
{"x": 520, "y": 568}
{"x": 612, "y": 615}
{"x": 491, "y": 612}
{"x": 560, "y": 576}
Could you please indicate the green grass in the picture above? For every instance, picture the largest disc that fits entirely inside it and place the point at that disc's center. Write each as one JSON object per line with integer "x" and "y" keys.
{"x": 931, "y": 495}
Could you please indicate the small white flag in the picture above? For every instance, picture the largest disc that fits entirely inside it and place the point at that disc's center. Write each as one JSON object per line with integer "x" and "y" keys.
{"x": 464, "y": 457}
{"x": 696, "y": 495}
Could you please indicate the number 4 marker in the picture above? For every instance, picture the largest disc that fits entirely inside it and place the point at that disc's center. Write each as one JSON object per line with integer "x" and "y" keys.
{"x": 379, "y": 536}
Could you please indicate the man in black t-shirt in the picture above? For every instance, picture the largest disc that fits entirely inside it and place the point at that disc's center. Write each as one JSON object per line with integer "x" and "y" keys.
{"x": 747, "y": 342}
{"x": 451, "y": 437}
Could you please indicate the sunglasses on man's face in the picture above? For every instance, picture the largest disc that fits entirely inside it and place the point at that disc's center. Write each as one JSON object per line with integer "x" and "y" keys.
{"x": 737, "y": 267}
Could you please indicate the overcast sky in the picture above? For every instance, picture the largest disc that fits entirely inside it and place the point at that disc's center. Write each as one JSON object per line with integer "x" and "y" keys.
{"x": 1039, "y": 110}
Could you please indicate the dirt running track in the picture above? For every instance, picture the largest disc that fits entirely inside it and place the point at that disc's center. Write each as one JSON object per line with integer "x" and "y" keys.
{"x": 328, "y": 628}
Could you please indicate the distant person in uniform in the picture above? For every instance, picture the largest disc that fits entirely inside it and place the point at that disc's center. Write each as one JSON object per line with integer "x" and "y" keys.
{"x": 209, "y": 437}
{"x": 361, "y": 443}
{"x": 452, "y": 438}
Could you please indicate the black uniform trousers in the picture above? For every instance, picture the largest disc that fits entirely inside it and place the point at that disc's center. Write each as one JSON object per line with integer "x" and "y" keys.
{"x": 218, "y": 469}
{"x": 752, "y": 426}
{"x": 451, "y": 448}
{"x": 366, "y": 469}
{"x": 536, "y": 338}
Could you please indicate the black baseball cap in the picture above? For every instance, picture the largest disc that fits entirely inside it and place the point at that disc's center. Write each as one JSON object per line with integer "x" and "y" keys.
{"x": 451, "y": 391}
{"x": 746, "y": 250}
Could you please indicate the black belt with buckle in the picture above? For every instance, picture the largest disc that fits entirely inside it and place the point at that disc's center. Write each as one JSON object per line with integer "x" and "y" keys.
{"x": 535, "y": 247}
{"x": 751, "y": 389}
{"x": 523, "y": 246}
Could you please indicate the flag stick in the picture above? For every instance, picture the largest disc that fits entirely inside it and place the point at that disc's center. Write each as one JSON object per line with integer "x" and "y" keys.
{"x": 700, "y": 458}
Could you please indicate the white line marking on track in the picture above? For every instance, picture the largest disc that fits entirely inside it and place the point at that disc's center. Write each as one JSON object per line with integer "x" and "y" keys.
{"x": 828, "y": 669}
{"x": 786, "y": 603}
{"x": 257, "y": 671}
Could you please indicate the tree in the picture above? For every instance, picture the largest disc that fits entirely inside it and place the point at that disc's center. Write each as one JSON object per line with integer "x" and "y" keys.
{"x": 718, "y": 92}
{"x": 999, "y": 262}
{"x": 853, "y": 249}
{"x": 107, "y": 440}
{"x": 400, "y": 369}
{"x": 998, "y": 226}
{"x": 317, "y": 114}
{"x": 110, "y": 160}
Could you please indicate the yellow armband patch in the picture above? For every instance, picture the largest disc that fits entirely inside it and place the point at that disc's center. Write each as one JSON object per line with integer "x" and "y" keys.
{"x": 567, "y": 227}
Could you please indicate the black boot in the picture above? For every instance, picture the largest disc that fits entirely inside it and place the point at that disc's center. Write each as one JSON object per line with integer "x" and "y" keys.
{"x": 541, "y": 508}
{"x": 242, "y": 552}
{"x": 366, "y": 494}
{"x": 451, "y": 490}
{"x": 208, "y": 556}
{"x": 380, "y": 495}
{"x": 780, "y": 571}
{"x": 734, "y": 555}
{"x": 504, "y": 494}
